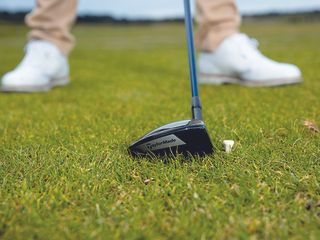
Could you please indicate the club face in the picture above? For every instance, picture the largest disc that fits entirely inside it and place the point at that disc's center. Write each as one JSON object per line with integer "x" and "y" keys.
{"x": 185, "y": 137}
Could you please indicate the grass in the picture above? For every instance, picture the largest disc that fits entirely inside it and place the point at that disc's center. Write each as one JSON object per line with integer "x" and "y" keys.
{"x": 65, "y": 172}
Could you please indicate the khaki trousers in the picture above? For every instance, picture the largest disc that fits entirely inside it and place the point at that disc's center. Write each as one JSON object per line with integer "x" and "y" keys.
{"x": 52, "y": 20}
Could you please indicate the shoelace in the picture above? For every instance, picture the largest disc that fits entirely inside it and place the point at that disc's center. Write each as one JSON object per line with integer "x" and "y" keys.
{"x": 254, "y": 42}
{"x": 36, "y": 55}
{"x": 249, "y": 41}
{"x": 249, "y": 48}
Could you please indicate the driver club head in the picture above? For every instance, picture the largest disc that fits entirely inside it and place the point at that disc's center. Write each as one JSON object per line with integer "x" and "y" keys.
{"x": 188, "y": 137}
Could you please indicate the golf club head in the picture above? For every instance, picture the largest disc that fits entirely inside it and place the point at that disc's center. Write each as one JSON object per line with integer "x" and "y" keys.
{"x": 188, "y": 137}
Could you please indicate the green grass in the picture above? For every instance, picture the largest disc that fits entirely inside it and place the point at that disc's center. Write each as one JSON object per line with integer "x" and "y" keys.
{"x": 65, "y": 172}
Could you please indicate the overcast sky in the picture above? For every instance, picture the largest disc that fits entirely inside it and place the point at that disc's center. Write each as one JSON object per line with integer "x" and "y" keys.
{"x": 165, "y": 8}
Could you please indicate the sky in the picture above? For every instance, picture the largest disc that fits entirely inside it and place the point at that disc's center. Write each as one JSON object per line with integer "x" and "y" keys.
{"x": 165, "y": 8}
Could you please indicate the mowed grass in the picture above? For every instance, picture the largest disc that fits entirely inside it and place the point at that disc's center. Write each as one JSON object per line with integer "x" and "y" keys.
{"x": 65, "y": 172}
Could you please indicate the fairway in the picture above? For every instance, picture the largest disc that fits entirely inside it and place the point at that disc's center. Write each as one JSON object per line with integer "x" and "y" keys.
{"x": 64, "y": 168}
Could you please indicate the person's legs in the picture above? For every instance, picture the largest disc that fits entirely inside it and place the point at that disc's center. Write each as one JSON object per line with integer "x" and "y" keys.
{"x": 45, "y": 64}
{"x": 52, "y": 21}
{"x": 228, "y": 56}
{"x": 217, "y": 19}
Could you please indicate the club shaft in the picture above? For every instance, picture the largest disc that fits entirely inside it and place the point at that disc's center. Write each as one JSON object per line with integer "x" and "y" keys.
{"x": 196, "y": 104}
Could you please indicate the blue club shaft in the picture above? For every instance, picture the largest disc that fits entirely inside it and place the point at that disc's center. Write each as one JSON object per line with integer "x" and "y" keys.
{"x": 191, "y": 48}
{"x": 196, "y": 104}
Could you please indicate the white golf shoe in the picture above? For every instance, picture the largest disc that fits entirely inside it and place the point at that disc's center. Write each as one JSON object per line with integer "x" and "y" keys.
{"x": 42, "y": 68}
{"x": 238, "y": 61}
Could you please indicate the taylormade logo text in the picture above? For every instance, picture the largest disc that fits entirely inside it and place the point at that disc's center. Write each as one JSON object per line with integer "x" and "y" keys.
{"x": 152, "y": 146}
{"x": 162, "y": 143}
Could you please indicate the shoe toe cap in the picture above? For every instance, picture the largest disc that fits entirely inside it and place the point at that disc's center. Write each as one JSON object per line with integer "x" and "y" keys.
{"x": 284, "y": 71}
{"x": 9, "y": 79}
{"x": 23, "y": 78}
{"x": 289, "y": 71}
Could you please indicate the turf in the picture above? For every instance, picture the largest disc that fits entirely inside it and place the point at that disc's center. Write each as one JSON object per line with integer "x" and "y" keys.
{"x": 65, "y": 172}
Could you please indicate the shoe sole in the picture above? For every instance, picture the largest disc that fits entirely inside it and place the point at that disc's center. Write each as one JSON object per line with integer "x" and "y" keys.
{"x": 212, "y": 79}
{"x": 56, "y": 82}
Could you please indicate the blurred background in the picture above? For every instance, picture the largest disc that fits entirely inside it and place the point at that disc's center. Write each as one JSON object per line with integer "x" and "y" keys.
{"x": 146, "y": 9}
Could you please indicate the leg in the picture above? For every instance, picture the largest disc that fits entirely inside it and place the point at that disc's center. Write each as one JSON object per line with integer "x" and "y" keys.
{"x": 218, "y": 19}
{"x": 52, "y": 21}
{"x": 228, "y": 56}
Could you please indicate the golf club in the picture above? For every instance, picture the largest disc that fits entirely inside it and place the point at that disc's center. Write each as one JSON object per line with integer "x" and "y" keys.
{"x": 189, "y": 137}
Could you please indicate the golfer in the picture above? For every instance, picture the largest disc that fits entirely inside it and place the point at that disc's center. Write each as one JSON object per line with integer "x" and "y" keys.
{"x": 226, "y": 55}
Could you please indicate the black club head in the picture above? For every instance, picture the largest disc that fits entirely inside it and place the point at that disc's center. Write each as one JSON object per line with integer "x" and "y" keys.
{"x": 188, "y": 137}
